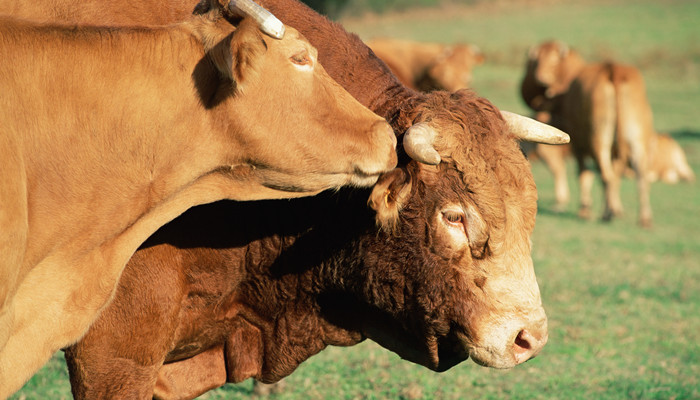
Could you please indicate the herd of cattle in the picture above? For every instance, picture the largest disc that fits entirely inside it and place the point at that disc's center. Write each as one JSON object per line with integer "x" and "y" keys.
{"x": 127, "y": 128}
{"x": 603, "y": 106}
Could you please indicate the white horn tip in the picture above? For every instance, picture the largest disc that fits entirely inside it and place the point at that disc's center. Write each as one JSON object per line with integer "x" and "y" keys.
{"x": 533, "y": 131}
{"x": 273, "y": 27}
{"x": 561, "y": 138}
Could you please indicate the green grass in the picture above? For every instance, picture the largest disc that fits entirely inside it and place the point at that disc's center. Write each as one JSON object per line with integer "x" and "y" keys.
{"x": 623, "y": 303}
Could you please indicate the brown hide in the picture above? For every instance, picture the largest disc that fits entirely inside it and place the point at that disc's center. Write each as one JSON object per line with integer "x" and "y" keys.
{"x": 99, "y": 12}
{"x": 429, "y": 66}
{"x": 667, "y": 161}
{"x": 150, "y": 122}
{"x": 266, "y": 285}
{"x": 472, "y": 215}
{"x": 605, "y": 110}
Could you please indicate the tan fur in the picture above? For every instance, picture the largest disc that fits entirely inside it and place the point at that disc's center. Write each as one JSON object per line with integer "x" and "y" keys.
{"x": 429, "y": 66}
{"x": 667, "y": 161}
{"x": 605, "y": 110}
{"x": 144, "y": 129}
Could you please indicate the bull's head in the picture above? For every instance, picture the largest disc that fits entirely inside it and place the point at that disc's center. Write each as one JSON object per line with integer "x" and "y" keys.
{"x": 457, "y": 225}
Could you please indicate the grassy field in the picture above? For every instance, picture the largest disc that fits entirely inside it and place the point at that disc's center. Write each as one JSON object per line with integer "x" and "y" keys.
{"x": 623, "y": 303}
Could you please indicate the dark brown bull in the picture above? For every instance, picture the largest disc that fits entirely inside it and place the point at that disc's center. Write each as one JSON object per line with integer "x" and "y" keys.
{"x": 437, "y": 272}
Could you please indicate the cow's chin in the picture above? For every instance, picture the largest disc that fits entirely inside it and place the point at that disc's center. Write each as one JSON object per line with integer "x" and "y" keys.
{"x": 436, "y": 354}
{"x": 450, "y": 352}
{"x": 314, "y": 183}
{"x": 362, "y": 180}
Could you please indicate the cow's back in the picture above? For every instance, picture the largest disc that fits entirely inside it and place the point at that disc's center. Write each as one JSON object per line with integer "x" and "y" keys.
{"x": 635, "y": 124}
{"x": 406, "y": 59}
{"x": 589, "y": 110}
{"x": 105, "y": 13}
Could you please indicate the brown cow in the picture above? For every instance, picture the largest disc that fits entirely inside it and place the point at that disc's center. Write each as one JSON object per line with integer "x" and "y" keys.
{"x": 551, "y": 67}
{"x": 667, "y": 161}
{"x": 605, "y": 109}
{"x": 107, "y": 134}
{"x": 438, "y": 272}
{"x": 496, "y": 206}
{"x": 429, "y": 66}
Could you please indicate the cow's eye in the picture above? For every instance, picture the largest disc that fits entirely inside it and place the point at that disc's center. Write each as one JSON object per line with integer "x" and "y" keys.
{"x": 301, "y": 58}
{"x": 453, "y": 217}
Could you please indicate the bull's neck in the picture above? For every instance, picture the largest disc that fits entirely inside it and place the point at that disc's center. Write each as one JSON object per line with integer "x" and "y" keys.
{"x": 349, "y": 61}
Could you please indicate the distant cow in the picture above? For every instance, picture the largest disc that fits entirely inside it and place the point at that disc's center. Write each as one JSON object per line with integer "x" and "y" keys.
{"x": 438, "y": 271}
{"x": 605, "y": 110}
{"x": 429, "y": 66}
{"x": 667, "y": 161}
{"x": 108, "y": 133}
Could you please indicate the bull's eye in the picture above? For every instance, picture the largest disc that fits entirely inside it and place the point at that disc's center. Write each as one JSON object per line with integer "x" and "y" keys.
{"x": 453, "y": 217}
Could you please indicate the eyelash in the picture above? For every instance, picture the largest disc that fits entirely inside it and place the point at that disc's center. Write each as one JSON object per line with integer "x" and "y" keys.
{"x": 452, "y": 217}
{"x": 301, "y": 59}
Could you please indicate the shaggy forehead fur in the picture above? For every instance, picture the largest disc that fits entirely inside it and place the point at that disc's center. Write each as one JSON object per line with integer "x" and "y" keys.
{"x": 474, "y": 142}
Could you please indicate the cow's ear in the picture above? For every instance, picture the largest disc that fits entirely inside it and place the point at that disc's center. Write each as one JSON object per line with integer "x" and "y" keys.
{"x": 390, "y": 193}
{"x": 238, "y": 56}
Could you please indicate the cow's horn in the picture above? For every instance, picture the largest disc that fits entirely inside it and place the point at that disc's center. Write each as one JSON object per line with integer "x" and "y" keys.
{"x": 532, "y": 131}
{"x": 268, "y": 23}
{"x": 418, "y": 144}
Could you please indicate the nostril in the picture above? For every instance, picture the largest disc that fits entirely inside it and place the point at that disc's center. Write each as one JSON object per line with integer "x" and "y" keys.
{"x": 526, "y": 346}
{"x": 521, "y": 341}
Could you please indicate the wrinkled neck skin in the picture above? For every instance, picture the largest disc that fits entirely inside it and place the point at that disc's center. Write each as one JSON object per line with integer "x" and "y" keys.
{"x": 293, "y": 299}
{"x": 274, "y": 296}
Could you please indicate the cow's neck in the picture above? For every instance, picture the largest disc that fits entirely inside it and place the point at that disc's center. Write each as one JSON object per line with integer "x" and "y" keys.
{"x": 139, "y": 155}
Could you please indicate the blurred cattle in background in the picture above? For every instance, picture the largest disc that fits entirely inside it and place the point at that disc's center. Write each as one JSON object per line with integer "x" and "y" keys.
{"x": 603, "y": 106}
{"x": 107, "y": 134}
{"x": 429, "y": 66}
{"x": 667, "y": 161}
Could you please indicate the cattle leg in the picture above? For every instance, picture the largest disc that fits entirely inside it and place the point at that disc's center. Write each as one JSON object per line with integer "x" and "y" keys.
{"x": 553, "y": 157}
{"x": 586, "y": 178}
{"x": 640, "y": 167}
{"x": 611, "y": 178}
{"x": 108, "y": 378}
{"x": 191, "y": 377}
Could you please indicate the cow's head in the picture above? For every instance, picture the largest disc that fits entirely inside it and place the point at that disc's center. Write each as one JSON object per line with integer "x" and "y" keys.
{"x": 457, "y": 277}
{"x": 552, "y": 65}
{"x": 297, "y": 130}
{"x": 453, "y": 68}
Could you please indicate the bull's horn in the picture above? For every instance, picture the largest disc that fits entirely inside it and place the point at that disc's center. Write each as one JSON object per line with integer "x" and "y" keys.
{"x": 418, "y": 144}
{"x": 268, "y": 23}
{"x": 532, "y": 131}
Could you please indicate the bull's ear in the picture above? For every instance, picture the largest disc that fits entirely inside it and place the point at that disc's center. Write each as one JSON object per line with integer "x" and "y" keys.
{"x": 390, "y": 193}
{"x": 237, "y": 56}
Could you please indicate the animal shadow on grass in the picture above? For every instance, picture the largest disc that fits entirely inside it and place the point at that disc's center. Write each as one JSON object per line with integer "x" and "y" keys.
{"x": 549, "y": 209}
{"x": 686, "y": 134}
